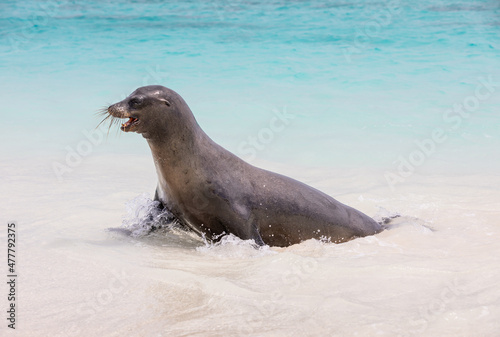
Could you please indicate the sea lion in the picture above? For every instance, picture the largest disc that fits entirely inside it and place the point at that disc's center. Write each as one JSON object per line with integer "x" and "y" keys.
{"x": 213, "y": 192}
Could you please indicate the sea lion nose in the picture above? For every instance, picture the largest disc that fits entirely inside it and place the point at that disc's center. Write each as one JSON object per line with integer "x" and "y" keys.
{"x": 116, "y": 105}
{"x": 116, "y": 110}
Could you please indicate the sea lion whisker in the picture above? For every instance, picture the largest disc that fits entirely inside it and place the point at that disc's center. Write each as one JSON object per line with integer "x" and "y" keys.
{"x": 114, "y": 120}
{"x": 102, "y": 111}
{"x": 117, "y": 121}
{"x": 105, "y": 118}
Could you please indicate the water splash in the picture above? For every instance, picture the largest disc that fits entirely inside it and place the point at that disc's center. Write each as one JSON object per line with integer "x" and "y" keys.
{"x": 145, "y": 215}
{"x": 231, "y": 246}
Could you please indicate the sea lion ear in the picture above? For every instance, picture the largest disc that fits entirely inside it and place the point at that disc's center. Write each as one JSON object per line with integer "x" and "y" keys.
{"x": 166, "y": 101}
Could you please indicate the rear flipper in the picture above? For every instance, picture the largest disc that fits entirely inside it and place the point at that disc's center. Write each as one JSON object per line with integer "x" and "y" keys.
{"x": 385, "y": 220}
{"x": 390, "y": 221}
{"x": 385, "y": 217}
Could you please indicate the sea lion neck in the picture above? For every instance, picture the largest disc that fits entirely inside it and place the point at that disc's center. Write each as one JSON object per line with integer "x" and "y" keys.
{"x": 179, "y": 147}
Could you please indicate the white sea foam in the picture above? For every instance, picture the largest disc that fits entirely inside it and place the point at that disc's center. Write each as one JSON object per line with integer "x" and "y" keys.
{"x": 230, "y": 246}
{"x": 144, "y": 215}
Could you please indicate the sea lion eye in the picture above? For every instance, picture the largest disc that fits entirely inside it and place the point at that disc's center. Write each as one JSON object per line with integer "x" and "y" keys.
{"x": 135, "y": 102}
{"x": 166, "y": 101}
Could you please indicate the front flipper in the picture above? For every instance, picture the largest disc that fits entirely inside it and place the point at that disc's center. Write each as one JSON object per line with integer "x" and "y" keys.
{"x": 157, "y": 198}
{"x": 167, "y": 218}
{"x": 160, "y": 216}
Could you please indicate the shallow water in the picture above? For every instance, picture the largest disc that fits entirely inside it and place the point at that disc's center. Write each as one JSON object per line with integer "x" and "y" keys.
{"x": 77, "y": 277}
{"x": 369, "y": 88}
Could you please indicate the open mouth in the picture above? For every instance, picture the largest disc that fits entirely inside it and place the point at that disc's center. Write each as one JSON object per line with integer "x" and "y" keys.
{"x": 129, "y": 124}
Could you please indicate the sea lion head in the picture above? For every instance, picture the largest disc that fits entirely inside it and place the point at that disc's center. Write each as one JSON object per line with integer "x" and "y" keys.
{"x": 152, "y": 111}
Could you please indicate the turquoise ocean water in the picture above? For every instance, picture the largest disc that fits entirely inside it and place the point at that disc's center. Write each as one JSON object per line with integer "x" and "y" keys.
{"x": 364, "y": 80}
